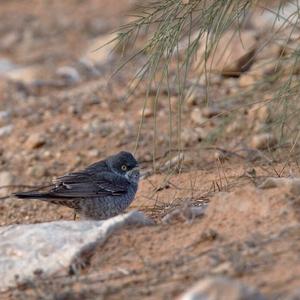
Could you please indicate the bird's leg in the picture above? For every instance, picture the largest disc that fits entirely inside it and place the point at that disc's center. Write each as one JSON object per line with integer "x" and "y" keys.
{"x": 75, "y": 215}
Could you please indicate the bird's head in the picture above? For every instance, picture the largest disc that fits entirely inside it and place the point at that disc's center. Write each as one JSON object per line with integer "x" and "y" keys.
{"x": 126, "y": 165}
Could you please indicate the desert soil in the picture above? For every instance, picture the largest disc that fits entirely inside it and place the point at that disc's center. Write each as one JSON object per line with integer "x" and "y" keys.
{"x": 60, "y": 119}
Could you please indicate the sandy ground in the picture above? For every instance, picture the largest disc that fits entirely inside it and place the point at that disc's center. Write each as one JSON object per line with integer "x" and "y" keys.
{"x": 246, "y": 233}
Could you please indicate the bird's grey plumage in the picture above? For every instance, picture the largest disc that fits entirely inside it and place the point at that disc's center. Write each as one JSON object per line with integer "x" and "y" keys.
{"x": 102, "y": 190}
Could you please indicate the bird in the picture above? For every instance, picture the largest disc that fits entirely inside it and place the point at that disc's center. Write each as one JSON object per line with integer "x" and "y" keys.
{"x": 100, "y": 191}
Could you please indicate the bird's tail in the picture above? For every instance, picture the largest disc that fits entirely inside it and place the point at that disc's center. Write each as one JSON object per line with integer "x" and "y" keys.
{"x": 35, "y": 195}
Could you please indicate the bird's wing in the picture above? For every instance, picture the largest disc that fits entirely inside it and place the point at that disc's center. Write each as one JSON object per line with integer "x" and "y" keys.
{"x": 84, "y": 184}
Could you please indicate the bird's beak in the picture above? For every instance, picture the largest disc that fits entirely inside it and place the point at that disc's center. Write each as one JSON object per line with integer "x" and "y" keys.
{"x": 136, "y": 169}
{"x": 133, "y": 174}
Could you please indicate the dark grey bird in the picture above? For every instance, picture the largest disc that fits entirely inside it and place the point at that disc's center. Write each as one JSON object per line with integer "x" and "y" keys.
{"x": 101, "y": 191}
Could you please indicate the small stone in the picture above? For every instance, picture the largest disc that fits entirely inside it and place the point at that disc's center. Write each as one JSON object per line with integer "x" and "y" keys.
{"x": 175, "y": 161}
{"x": 174, "y": 103}
{"x": 98, "y": 26}
{"x": 197, "y": 117}
{"x": 209, "y": 112}
{"x": 27, "y": 74}
{"x": 221, "y": 288}
{"x": 37, "y": 171}
{"x": 195, "y": 95}
{"x": 6, "y": 130}
{"x": 94, "y": 153}
{"x": 4, "y": 115}
{"x": 235, "y": 126}
{"x": 223, "y": 268}
{"x": 211, "y": 79}
{"x": 247, "y": 80}
{"x": 147, "y": 112}
{"x": 103, "y": 128}
{"x": 190, "y": 136}
{"x": 259, "y": 112}
{"x": 126, "y": 127}
{"x": 47, "y": 154}
{"x": 191, "y": 99}
{"x": 6, "y": 65}
{"x": 68, "y": 74}
{"x": 5, "y": 179}
{"x": 9, "y": 40}
{"x": 221, "y": 155}
{"x": 259, "y": 127}
{"x": 263, "y": 141}
{"x": 89, "y": 67}
{"x": 75, "y": 109}
{"x": 35, "y": 140}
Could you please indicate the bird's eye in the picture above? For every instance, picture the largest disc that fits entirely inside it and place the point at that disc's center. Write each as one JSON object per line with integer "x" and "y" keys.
{"x": 124, "y": 167}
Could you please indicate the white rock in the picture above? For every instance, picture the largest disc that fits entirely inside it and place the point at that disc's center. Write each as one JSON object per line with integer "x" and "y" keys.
{"x": 6, "y": 130}
{"x": 68, "y": 74}
{"x": 26, "y": 74}
{"x": 221, "y": 288}
{"x": 6, "y": 65}
{"x": 54, "y": 247}
{"x": 4, "y": 115}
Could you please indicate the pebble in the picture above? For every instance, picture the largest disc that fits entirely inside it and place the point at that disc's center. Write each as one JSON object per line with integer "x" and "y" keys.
{"x": 37, "y": 171}
{"x": 5, "y": 179}
{"x": 69, "y": 74}
{"x": 94, "y": 153}
{"x": 209, "y": 112}
{"x": 4, "y": 115}
{"x": 246, "y": 80}
{"x": 174, "y": 103}
{"x": 6, "y": 65}
{"x": 195, "y": 95}
{"x": 259, "y": 112}
{"x": 186, "y": 213}
{"x": 235, "y": 126}
{"x": 6, "y": 130}
{"x": 100, "y": 127}
{"x": 35, "y": 140}
{"x": 174, "y": 161}
{"x": 89, "y": 67}
{"x": 147, "y": 112}
{"x": 191, "y": 136}
{"x": 263, "y": 141}
{"x": 221, "y": 155}
{"x": 197, "y": 116}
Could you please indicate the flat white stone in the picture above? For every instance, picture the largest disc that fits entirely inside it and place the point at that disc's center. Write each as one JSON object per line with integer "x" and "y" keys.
{"x": 50, "y": 248}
